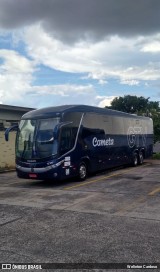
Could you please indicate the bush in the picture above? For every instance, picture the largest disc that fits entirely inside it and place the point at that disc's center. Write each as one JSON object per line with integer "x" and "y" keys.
{"x": 156, "y": 156}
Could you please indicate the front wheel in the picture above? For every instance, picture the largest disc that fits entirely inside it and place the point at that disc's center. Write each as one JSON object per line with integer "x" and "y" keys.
{"x": 82, "y": 174}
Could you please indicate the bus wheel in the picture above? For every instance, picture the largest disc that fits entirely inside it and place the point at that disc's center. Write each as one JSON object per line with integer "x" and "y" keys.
{"x": 135, "y": 159}
{"x": 140, "y": 158}
{"x": 82, "y": 171}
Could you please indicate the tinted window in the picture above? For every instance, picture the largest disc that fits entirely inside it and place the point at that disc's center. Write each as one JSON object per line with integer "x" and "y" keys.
{"x": 101, "y": 123}
{"x": 73, "y": 117}
{"x": 118, "y": 125}
{"x": 87, "y": 132}
{"x": 68, "y": 132}
{"x": 67, "y": 139}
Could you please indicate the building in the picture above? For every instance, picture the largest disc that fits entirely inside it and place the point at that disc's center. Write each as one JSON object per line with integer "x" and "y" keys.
{"x": 9, "y": 115}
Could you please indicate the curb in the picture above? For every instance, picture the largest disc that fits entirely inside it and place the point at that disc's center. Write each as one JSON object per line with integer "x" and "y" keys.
{"x": 6, "y": 171}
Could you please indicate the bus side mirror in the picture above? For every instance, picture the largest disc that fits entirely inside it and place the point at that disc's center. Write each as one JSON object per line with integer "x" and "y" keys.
{"x": 15, "y": 127}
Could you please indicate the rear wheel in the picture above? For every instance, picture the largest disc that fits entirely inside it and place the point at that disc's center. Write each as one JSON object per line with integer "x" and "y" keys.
{"x": 135, "y": 159}
{"x": 82, "y": 171}
{"x": 140, "y": 158}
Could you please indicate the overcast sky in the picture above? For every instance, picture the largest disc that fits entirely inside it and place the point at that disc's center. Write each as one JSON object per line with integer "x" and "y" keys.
{"x": 57, "y": 52}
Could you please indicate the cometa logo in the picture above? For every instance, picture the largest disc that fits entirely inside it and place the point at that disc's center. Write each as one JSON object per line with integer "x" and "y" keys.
{"x": 102, "y": 142}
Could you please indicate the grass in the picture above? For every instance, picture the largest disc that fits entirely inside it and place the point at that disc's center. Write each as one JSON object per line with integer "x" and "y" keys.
{"x": 156, "y": 156}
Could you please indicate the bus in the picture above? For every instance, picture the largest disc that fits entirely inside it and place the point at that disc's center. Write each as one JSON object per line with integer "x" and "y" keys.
{"x": 75, "y": 140}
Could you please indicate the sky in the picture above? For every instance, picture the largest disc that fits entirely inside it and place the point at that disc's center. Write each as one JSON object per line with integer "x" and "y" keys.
{"x": 58, "y": 52}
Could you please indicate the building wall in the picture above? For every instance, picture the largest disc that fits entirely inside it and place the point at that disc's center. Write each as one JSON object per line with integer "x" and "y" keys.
{"x": 7, "y": 150}
{"x": 9, "y": 115}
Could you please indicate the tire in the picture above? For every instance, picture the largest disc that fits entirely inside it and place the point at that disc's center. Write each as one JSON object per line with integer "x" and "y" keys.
{"x": 135, "y": 159}
{"x": 82, "y": 172}
{"x": 140, "y": 158}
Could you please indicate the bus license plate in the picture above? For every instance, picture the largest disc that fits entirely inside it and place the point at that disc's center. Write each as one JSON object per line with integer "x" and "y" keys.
{"x": 33, "y": 175}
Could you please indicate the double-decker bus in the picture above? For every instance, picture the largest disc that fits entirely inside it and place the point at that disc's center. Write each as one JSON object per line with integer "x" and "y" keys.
{"x": 74, "y": 140}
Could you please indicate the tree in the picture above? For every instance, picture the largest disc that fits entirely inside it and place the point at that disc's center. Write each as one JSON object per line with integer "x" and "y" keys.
{"x": 156, "y": 123}
{"x": 130, "y": 104}
{"x": 140, "y": 106}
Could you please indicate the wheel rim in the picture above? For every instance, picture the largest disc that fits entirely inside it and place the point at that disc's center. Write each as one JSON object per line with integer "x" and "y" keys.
{"x": 82, "y": 171}
{"x": 135, "y": 160}
{"x": 141, "y": 158}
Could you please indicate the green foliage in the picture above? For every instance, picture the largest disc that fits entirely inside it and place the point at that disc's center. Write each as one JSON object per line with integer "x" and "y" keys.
{"x": 130, "y": 104}
{"x": 153, "y": 105}
{"x": 156, "y": 156}
{"x": 139, "y": 106}
{"x": 156, "y": 124}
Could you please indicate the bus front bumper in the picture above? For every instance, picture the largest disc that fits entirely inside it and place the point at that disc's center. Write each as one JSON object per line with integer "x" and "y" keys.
{"x": 48, "y": 172}
{"x": 55, "y": 171}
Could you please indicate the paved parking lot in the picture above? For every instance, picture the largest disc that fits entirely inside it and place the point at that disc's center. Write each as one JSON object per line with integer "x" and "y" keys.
{"x": 113, "y": 217}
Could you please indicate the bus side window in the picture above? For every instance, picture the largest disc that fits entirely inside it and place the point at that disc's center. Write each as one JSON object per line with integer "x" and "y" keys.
{"x": 66, "y": 139}
{"x": 87, "y": 132}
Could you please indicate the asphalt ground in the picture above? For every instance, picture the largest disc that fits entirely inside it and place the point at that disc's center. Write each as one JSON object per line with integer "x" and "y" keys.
{"x": 112, "y": 217}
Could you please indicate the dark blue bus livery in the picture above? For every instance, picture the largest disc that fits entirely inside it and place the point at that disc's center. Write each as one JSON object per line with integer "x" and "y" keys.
{"x": 74, "y": 140}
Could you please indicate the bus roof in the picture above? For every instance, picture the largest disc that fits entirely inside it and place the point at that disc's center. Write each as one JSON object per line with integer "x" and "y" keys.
{"x": 59, "y": 110}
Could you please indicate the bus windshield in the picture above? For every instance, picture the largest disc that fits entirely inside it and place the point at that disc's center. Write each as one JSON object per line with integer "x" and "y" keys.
{"x": 35, "y": 138}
